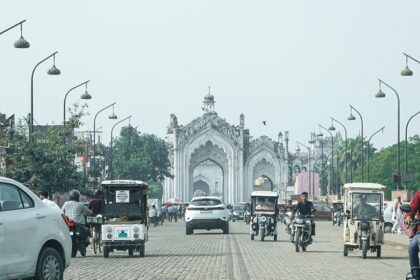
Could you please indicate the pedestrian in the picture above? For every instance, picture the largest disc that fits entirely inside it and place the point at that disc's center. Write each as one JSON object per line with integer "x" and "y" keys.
{"x": 43, "y": 195}
{"x": 163, "y": 212}
{"x": 153, "y": 215}
{"x": 396, "y": 215}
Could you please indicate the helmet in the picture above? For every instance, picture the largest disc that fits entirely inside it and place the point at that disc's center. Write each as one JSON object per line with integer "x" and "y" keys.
{"x": 74, "y": 195}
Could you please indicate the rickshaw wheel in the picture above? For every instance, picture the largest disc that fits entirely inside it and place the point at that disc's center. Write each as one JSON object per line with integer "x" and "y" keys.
{"x": 303, "y": 248}
{"x": 252, "y": 236}
{"x": 275, "y": 237}
{"x": 262, "y": 234}
{"x": 364, "y": 249}
{"x": 142, "y": 249}
{"x": 345, "y": 252}
{"x": 130, "y": 252}
{"x": 106, "y": 252}
{"x": 378, "y": 251}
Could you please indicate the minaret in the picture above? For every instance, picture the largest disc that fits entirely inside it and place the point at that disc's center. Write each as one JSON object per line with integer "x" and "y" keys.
{"x": 208, "y": 103}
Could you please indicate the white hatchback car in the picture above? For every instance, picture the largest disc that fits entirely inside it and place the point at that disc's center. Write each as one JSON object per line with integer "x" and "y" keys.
{"x": 206, "y": 212}
{"x": 34, "y": 238}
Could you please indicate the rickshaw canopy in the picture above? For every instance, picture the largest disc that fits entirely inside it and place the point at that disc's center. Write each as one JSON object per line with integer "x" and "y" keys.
{"x": 361, "y": 186}
{"x": 264, "y": 193}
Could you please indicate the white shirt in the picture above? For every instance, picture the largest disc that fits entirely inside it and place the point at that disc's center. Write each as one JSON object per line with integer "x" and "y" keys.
{"x": 51, "y": 203}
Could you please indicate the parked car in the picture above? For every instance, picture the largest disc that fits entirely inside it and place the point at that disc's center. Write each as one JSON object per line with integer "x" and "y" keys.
{"x": 206, "y": 212}
{"x": 47, "y": 252}
{"x": 323, "y": 212}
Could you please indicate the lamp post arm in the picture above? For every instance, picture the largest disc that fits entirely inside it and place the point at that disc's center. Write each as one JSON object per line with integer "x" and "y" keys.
{"x": 11, "y": 27}
{"x": 379, "y": 130}
{"x": 31, "y": 126}
{"x": 65, "y": 98}
{"x": 406, "y": 141}
{"x": 112, "y": 129}
{"x": 412, "y": 58}
{"x": 345, "y": 137}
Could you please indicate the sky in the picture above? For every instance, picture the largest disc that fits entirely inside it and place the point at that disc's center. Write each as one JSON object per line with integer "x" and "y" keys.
{"x": 290, "y": 63}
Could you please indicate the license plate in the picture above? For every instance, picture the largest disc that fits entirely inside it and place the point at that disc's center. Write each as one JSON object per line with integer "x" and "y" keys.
{"x": 206, "y": 211}
{"x": 122, "y": 234}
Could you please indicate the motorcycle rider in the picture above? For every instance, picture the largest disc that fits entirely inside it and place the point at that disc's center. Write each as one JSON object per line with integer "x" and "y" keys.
{"x": 413, "y": 247}
{"x": 305, "y": 207}
{"x": 76, "y": 211}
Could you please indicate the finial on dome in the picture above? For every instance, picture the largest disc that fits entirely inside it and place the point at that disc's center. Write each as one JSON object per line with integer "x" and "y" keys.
{"x": 208, "y": 102}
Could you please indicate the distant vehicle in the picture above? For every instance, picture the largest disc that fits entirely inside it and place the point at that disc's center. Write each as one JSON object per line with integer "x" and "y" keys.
{"x": 206, "y": 212}
{"x": 323, "y": 212}
{"x": 24, "y": 215}
{"x": 238, "y": 213}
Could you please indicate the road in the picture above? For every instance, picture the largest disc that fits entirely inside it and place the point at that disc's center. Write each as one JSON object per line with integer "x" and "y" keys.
{"x": 170, "y": 254}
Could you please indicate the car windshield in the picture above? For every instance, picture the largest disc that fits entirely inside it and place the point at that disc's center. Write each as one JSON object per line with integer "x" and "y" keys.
{"x": 206, "y": 202}
{"x": 366, "y": 206}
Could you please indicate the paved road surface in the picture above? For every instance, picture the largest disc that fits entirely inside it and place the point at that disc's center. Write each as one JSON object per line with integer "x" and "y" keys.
{"x": 170, "y": 254}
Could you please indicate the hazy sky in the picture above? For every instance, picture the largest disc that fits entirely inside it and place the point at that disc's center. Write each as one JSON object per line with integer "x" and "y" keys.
{"x": 291, "y": 63}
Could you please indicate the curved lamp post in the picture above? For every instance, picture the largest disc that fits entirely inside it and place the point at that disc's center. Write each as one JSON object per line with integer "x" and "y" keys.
{"x": 407, "y": 71}
{"x": 332, "y": 156}
{"x": 309, "y": 162}
{"x": 21, "y": 43}
{"x": 52, "y": 71}
{"x": 406, "y": 143}
{"x": 345, "y": 137}
{"x": 381, "y": 94}
{"x": 85, "y": 95}
{"x": 319, "y": 135}
{"x": 368, "y": 145}
{"x": 112, "y": 117}
{"x": 352, "y": 118}
{"x": 112, "y": 142}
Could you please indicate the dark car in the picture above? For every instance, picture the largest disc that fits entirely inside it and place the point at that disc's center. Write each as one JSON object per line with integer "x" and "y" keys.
{"x": 323, "y": 212}
{"x": 238, "y": 213}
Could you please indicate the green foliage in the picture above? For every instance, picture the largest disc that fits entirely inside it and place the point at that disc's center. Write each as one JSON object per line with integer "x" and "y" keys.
{"x": 45, "y": 161}
{"x": 156, "y": 190}
{"x": 138, "y": 156}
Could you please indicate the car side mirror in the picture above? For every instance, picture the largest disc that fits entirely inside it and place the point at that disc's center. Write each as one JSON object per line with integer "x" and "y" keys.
{"x": 405, "y": 208}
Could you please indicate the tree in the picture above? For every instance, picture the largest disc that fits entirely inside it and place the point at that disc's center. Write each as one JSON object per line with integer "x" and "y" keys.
{"x": 45, "y": 161}
{"x": 138, "y": 156}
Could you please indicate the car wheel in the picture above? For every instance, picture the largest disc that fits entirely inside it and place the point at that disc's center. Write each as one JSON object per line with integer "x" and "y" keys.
{"x": 252, "y": 236}
{"x": 188, "y": 230}
{"x": 226, "y": 229}
{"x": 50, "y": 265}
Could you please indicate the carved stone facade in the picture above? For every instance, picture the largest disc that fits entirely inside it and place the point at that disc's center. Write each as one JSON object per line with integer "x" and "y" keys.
{"x": 211, "y": 141}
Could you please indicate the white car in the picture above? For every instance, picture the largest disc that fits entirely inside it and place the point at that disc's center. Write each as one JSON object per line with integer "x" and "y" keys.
{"x": 34, "y": 238}
{"x": 206, "y": 212}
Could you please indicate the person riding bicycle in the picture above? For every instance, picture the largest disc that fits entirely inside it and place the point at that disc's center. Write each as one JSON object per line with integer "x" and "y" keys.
{"x": 95, "y": 204}
{"x": 305, "y": 208}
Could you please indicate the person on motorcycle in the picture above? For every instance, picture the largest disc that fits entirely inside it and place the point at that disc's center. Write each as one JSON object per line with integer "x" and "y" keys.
{"x": 413, "y": 247}
{"x": 305, "y": 208}
{"x": 77, "y": 211}
{"x": 363, "y": 209}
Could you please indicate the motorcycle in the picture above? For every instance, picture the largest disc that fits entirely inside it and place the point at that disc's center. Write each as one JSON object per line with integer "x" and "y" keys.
{"x": 302, "y": 232}
{"x": 247, "y": 217}
{"x": 338, "y": 217}
{"x": 287, "y": 221}
{"x": 79, "y": 237}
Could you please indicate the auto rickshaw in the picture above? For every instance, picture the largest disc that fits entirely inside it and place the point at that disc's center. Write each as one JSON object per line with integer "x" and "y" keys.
{"x": 124, "y": 214}
{"x": 364, "y": 223}
{"x": 337, "y": 212}
{"x": 264, "y": 213}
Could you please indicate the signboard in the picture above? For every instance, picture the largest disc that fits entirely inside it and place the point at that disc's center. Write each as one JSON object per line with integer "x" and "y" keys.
{"x": 122, "y": 196}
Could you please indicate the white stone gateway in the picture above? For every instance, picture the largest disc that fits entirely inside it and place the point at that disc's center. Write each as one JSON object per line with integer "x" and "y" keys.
{"x": 212, "y": 157}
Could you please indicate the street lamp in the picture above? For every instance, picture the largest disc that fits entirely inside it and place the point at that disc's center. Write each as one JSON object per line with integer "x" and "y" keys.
{"x": 309, "y": 163}
{"x": 406, "y": 144}
{"x": 352, "y": 118}
{"x": 345, "y": 138}
{"x": 368, "y": 145}
{"x": 113, "y": 116}
{"x": 52, "y": 71}
{"x": 332, "y": 155}
{"x": 337, "y": 175}
{"x": 407, "y": 71}
{"x": 85, "y": 95}
{"x": 112, "y": 141}
{"x": 21, "y": 43}
{"x": 381, "y": 94}
{"x": 319, "y": 135}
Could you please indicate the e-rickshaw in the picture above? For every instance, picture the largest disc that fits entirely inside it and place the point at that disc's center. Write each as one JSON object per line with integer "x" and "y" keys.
{"x": 364, "y": 225}
{"x": 124, "y": 214}
{"x": 264, "y": 212}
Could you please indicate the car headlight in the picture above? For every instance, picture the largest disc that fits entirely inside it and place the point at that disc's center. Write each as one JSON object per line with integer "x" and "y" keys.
{"x": 235, "y": 213}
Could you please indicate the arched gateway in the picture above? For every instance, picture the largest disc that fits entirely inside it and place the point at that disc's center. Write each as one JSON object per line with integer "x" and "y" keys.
{"x": 213, "y": 157}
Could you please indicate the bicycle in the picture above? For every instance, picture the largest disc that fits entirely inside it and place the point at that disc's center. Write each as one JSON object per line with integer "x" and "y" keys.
{"x": 95, "y": 226}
